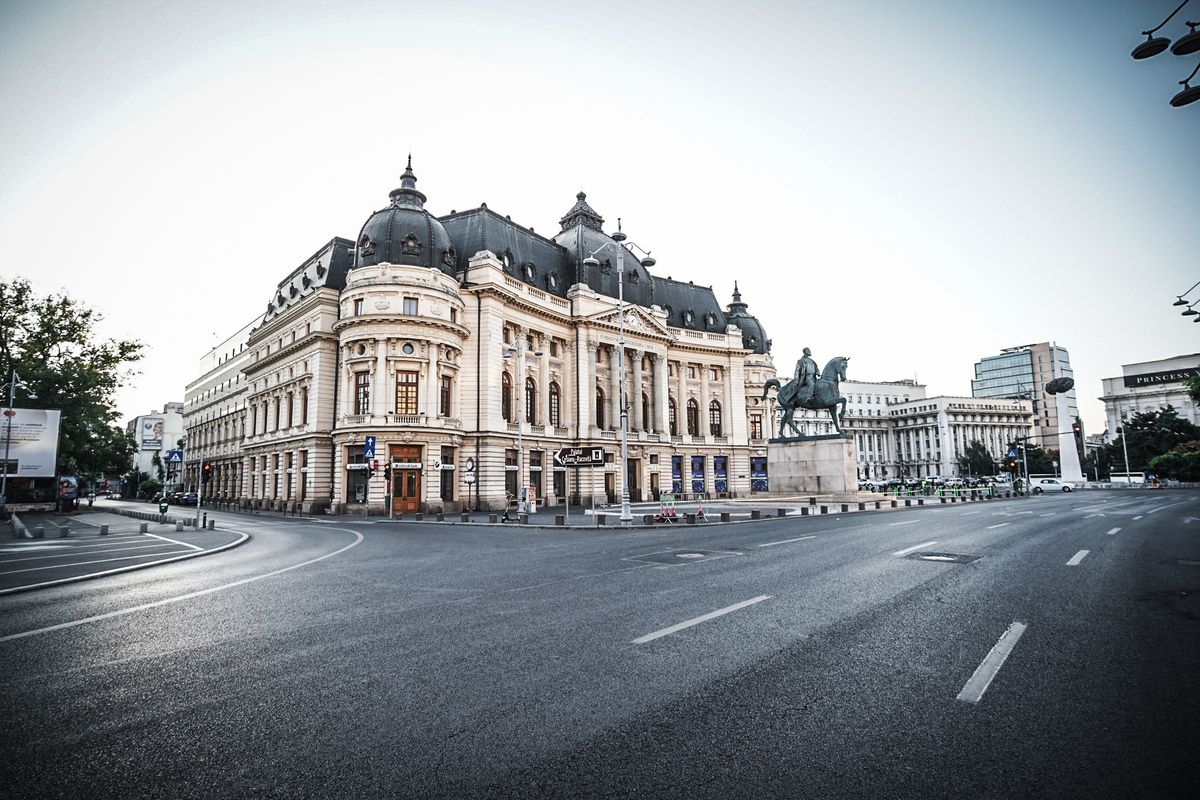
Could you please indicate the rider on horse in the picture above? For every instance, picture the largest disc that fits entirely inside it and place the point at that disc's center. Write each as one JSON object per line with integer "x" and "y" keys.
{"x": 806, "y": 376}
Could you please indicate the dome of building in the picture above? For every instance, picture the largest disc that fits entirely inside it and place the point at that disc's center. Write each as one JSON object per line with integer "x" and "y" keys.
{"x": 405, "y": 233}
{"x": 754, "y": 336}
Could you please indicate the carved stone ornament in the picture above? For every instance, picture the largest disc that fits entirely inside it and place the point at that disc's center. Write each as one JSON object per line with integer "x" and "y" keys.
{"x": 411, "y": 246}
{"x": 435, "y": 308}
{"x": 407, "y": 436}
{"x": 381, "y": 304}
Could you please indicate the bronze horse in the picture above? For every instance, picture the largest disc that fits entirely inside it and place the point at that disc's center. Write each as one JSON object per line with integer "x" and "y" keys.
{"x": 825, "y": 396}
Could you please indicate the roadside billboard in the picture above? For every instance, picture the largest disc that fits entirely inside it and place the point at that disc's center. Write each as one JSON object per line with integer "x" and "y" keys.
{"x": 152, "y": 433}
{"x": 33, "y": 442}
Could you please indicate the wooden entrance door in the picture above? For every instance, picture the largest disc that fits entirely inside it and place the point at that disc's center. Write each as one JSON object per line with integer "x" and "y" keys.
{"x": 406, "y": 479}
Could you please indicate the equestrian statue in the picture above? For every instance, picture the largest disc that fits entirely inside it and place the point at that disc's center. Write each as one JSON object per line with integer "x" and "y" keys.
{"x": 810, "y": 390}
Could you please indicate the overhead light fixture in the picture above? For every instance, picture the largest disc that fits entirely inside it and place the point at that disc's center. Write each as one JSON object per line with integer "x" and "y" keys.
{"x": 1191, "y": 312}
{"x": 1155, "y": 45}
{"x": 1188, "y": 94}
{"x": 1180, "y": 302}
{"x": 1188, "y": 43}
{"x": 1151, "y": 47}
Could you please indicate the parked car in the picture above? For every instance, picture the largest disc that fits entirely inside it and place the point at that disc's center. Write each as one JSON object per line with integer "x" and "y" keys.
{"x": 187, "y": 499}
{"x": 1050, "y": 485}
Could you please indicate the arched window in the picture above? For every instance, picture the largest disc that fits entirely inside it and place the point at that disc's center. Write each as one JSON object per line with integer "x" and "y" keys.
{"x": 714, "y": 418}
{"x": 530, "y": 400}
{"x": 599, "y": 407}
{"x": 555, "y": 401}
{"x": 693, "y": 417}
{"x": 506, "y": 397}
{"x": 645, "y": 412}
{"x": 672, "y": 421}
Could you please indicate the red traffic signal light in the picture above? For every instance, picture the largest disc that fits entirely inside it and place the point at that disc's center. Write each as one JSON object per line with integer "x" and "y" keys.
{"x": 206, "y": 472}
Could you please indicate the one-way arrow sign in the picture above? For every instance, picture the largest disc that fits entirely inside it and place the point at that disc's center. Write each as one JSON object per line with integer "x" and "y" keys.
{"x": 579, "y": 457}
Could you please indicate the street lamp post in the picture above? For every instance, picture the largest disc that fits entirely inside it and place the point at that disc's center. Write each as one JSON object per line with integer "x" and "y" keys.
{"x": 1125, "y": 450}
{"x": 622, "y": 404}
{"x": 9, "y": 413}
{"x": 518, "y": 350}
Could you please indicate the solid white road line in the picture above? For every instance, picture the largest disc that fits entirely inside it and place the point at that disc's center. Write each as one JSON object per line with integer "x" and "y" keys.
{"x": 84, "y": 563}
{"x": 1139, "y": 516}
{"x": 909, "y": 522}
{"x": 1114, "y": 530}
{"x": 1051, "y": 514}
{"x": 908, "y": 550}
{"x": 1169, "y": 505}
{"x": 134, "y": 609}
{"x": 174, "y": 541}
{"x": 787, "y": 541}
{"x": 649, "y": 637}
{"x": 1075, "y": 559}
{"x": 1000, "y": 525}
{"x": 74, "y": 553}
{"x": 969, "y": 513}
{"x": 973, "y": 691}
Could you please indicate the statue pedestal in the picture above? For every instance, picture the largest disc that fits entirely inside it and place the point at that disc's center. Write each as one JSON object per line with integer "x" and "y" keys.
{"x": 812, "y": 466}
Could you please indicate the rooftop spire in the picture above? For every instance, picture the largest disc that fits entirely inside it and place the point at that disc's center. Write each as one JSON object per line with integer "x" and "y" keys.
{"x": 582, "y": 213}
{"x": 407, "y": 194}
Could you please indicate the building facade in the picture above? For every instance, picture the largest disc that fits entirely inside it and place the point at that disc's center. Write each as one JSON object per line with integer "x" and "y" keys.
{"x": 899, "y": 432}
{"x": 1022, "y": 373}
{"x": 154, "y": 434}
{"x": 468, "y": 349}
{"x": 1150, "y": 386}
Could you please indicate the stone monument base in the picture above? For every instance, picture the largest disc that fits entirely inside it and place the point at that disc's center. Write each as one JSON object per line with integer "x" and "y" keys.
{"x": 812, "y": 466}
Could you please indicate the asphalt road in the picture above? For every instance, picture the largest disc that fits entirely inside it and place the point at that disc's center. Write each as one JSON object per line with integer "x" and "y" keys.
{"x": 1051, "y": 648}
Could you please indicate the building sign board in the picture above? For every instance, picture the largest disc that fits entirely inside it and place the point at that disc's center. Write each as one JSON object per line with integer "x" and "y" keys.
{"x": 152, "y": 433}
{"x": 579, "y": 457}
{"x": 33, "y": 442}
{"x": 1155, "y": 378}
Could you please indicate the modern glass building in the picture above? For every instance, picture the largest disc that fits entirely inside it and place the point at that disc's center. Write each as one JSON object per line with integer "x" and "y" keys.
{"x": 1022, "y": 373}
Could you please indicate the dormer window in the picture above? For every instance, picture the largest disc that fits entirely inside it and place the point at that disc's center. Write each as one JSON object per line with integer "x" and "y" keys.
{"x": 606, "y": 266}
{"x": 507, "y": 258}
{"x": 410, "y": 246}
{"x": 552, "y": 280}
{"x": 689, "y": 317}
{"x": 710, "y": 319}
{"x": 449, "y": 257}
{"x": 529, "y": 271}
{"x": 365, "y": 248}
{"x": 632, "y": 276}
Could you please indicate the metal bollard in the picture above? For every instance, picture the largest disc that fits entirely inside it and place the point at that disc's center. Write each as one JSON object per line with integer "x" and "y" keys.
{"x": 465, "y": 517}
{"x": 212, "y": 524}
{"x": 781, "y": 512}
{"x": 420, "y": 516}
{"x": 179, "y": 526}
{"x": 600, "y": 519}
{"x": 441, "y": 517}
{"x": 560, "y": 520}
{"x": 104, "y": 530}
{"x": 756, "y": 514}
{"x": 64, "y": 531}
{"x": 690, "y": 519}
{"x": 724, "y": 516}
{"x": 39, "y": 532}
{"x": 204, "y": 522}
{"x": 493, "y": 518}
{"x": 143, "y": 527}
{"x": 522, "y": 519}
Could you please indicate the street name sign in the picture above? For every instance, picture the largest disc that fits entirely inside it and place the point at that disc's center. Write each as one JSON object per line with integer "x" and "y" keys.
{"x": 580, "y": 457}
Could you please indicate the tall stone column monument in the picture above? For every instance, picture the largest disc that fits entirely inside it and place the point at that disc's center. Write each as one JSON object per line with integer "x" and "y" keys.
{"x": 1068, "y": 455}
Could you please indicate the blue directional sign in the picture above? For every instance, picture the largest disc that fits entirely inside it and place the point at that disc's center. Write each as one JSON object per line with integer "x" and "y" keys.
{"x": 174, "y": 456}
{"x": 368, "y": 447}
{"x": 1012, "y": 453}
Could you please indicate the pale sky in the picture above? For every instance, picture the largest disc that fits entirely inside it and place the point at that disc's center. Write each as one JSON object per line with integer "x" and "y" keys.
{"x": 914, "y": 185}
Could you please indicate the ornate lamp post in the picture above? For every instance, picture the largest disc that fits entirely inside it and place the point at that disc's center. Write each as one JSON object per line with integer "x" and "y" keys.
{"x": 647, "y": 262}
{"x": 14, "y": 383}
{"x": 1186, "y": 45}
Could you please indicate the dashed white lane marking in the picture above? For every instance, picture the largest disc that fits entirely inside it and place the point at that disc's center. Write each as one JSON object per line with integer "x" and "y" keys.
{"x": 1114, "y": 530}
{"x": 1169, "y": 505}
{"x": 649, "y": 637}
{"x": 969, "y": 513}
{"x": 83, "y": 563}
{"x": 908, "y": 522}
{"x": 1000, "y": 525}
{"x": 180, "y": 598}
{"x": 1051, "y": 514}
{"x": 1075, "y": 559}
{"x": 174, "y": 541}
{"x": 972, "y": 691}
{"x": 787, "y": 541}
{"x": 908, "y": 550}
{"x": 1139, "y": 516}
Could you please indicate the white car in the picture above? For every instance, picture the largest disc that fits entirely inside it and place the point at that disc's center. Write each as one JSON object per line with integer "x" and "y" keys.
{"x": 1050, "y": 485}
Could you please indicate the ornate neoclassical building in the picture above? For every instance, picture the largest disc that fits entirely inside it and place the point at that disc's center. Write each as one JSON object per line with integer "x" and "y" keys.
{"x": 472, "y": 349}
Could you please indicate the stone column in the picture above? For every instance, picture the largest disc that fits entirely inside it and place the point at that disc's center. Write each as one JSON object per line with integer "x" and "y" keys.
{"x": 635, "y": 416}
{"x": 614, "y": 399}
{"x": 681, "y": 400}
{"x": 585, "y": 392}
{"x": 379, "y": 381}
{"x": 658, "y": 369}
{"x": 431, "y": 386}
{"x": 543, "y": 413}
{"x": 704, "y": 398}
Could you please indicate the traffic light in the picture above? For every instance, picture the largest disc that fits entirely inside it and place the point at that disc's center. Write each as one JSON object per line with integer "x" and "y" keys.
{"x": 206, "y": 472}
{"x": 372, "y": 467}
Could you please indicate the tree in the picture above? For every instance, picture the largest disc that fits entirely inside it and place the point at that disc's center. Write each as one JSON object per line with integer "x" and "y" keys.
{"x": 1039, "y": 461}
{"x": 1192, "y": 386}
{"x": 1148, "y": 434}
{"x": 52, "y": 343}
{"x": 976, "y": 460}
{"x": 1181, "y": 462}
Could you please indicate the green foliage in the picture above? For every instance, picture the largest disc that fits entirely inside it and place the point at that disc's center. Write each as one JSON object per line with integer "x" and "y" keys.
{"x": 976, "y": 460}
{"x": 146, "y": 489}
{"x": 1039, "y": 461}
{"x": 1192, "y": 385}
{"x": 1181, "y": 462}
{"x": 1096, "y": 466}
{"x": 132, "y": 481}
{"x": 1149, "y": 434}
{"x": 52, "y": 343}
